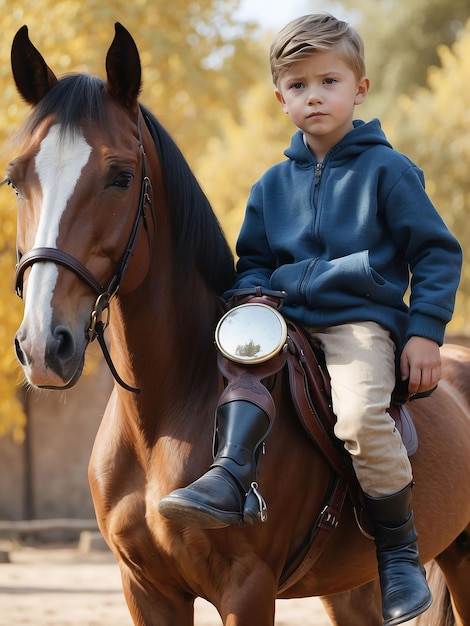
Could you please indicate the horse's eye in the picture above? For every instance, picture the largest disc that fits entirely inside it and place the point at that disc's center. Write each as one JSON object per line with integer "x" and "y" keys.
{"x": 123, "y": 180}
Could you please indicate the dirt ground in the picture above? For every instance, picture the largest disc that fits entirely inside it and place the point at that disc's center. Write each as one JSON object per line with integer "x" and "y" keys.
{"x": 77, "y": 586}
{"x": 64, "y": 586}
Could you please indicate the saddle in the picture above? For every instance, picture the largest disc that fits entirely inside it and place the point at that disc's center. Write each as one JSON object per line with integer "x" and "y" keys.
{"x": 311, "y": 395}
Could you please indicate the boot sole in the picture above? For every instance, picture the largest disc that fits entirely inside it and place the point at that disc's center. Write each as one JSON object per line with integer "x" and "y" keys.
{"x": 406, "y": 618}
{"x": 188, "y": 513}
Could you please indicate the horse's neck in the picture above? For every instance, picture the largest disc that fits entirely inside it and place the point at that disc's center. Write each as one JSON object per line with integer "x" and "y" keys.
{"x": 164, "y": 342}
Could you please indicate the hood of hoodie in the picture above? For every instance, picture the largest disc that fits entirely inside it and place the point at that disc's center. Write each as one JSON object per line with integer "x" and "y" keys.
{"x": 363, "y": 136}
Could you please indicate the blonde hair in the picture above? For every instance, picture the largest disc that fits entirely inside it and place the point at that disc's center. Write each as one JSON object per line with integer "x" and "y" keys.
{"x": 316, "y": 32}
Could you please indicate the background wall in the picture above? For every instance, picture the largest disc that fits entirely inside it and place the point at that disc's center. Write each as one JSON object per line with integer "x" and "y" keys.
{"x": 46, "y": 475}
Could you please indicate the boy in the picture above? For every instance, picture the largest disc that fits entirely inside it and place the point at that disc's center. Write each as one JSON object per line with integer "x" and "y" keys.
{"x": 339, "y": 226}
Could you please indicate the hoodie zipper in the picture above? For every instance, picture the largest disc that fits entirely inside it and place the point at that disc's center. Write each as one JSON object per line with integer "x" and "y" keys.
{"x": 315, "y": 193}
{"x": 318, "y": 172}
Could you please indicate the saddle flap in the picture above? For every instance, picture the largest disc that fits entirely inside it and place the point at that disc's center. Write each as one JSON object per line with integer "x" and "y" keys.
{"x": 310, "y": 390}
{"x": 245, "y": 382}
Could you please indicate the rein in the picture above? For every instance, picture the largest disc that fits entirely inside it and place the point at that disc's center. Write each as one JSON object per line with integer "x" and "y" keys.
{"x": 100, "y": 315}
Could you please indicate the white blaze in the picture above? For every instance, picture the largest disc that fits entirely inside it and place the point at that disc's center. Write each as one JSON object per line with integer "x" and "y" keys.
{"x": 59, "y": 163}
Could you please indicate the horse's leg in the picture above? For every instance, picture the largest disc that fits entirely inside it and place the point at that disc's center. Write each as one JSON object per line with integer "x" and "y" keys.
{"x": 455, "y": 565}
{"x": 359, "y": 607}
{"x": 149, "y": 607}
{"x": 249, "y": 598}
{"x": 260, "y": 612}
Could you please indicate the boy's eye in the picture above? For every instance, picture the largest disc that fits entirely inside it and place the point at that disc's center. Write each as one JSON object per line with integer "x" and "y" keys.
{"x": 297, "y": 85}
{"x": 329, "y": 81}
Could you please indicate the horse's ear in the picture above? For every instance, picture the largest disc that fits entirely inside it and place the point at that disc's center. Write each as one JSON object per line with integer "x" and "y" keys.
{"x": 123, "y": 69}
{"x": 32, "y": 76}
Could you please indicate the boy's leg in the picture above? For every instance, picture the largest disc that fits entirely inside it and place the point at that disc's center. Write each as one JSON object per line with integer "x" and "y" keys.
{"x": 361, "y": 362}
{"x": 360, "y": 359}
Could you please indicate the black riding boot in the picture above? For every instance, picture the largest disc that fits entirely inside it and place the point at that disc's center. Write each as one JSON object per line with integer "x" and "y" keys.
{"x": 227, "y": 492}
{"x": 405, "y": 592}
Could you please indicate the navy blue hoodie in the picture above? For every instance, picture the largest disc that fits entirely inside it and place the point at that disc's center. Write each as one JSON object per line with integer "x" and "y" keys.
{"x": 343, "y": 238}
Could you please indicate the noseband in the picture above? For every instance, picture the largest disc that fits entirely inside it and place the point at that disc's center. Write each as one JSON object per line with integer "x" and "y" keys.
{"x": 99, "y": 318}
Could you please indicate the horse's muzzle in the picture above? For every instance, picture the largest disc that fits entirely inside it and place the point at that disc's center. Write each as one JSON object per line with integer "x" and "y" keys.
{"x": 54, "y": 363}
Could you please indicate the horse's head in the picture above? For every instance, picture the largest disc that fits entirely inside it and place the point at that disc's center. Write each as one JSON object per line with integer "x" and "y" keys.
{"x": 83, "y": 204}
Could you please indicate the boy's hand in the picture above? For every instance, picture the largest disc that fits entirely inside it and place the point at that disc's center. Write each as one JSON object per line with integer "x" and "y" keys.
{"x": 420, "y": 362}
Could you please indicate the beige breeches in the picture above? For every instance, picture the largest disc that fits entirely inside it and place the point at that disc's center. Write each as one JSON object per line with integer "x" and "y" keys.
{"x": 360, "y": 358}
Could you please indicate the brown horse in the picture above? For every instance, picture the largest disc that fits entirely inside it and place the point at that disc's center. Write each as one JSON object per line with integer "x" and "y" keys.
{"x": 110, "y": 218}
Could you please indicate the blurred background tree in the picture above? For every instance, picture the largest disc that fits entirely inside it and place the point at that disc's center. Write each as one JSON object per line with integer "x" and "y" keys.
{"x": 433, "y": 127}
{"x": 402, "y": 40}
{"x": 206, "y": 77}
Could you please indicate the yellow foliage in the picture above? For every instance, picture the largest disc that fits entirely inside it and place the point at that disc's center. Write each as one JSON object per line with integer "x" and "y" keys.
{"x": 233, "y": 161}
{"x": 433, "y": 127}
{"x": 12, "y": 418}
{"x": 184, "y": 50}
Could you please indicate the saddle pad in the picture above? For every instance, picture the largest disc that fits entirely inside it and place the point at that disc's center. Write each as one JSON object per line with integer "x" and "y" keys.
{"x": 407, "y": 429}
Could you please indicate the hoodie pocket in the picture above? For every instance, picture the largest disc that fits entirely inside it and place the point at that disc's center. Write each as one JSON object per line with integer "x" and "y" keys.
{"x": 346, "y": 281}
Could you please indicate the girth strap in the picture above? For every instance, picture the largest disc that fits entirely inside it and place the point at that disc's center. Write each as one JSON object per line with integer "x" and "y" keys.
{"x": 325, "y": 524}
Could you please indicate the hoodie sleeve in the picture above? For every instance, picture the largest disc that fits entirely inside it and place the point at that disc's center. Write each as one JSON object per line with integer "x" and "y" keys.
{"x": 433, "y": 254}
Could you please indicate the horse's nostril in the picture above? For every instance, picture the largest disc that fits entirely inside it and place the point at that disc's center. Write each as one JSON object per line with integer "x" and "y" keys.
{"x": 19, "y": 352}
{"x": 65, "y": 342}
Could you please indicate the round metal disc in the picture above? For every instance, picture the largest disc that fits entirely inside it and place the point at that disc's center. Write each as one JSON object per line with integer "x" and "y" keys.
{"x": 251, "y": 333}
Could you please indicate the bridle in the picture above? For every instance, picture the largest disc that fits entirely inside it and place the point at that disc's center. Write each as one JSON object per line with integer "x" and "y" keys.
{"x": 100, "y": 316}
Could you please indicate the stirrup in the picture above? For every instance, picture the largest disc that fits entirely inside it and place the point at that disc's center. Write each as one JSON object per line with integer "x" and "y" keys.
{"x": 255, "y": 508}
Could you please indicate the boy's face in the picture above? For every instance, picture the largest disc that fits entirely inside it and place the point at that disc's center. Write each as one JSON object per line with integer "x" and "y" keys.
{"x": 319, "y": 95}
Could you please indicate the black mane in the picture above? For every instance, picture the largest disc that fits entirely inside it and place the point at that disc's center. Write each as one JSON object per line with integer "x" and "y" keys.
{"x": 196, "y": 229}
{"x": 77, "y": 99}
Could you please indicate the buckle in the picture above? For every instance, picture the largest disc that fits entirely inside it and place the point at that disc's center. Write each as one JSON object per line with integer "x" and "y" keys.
{"x": 328, "y": 517}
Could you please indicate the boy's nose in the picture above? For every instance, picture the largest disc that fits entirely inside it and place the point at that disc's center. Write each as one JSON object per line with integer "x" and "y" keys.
{"x": 314, "y": 96}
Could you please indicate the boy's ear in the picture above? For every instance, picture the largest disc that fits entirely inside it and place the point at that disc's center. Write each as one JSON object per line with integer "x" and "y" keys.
{"x": 280, "y": 99}
{"x": 362, "y": 90}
